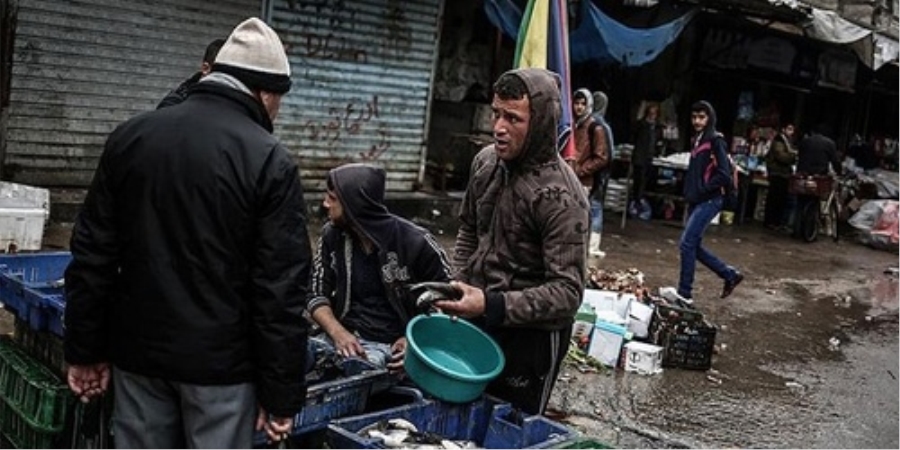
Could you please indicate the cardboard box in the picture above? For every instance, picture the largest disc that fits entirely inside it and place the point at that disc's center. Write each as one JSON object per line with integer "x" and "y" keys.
{"x": 645, "y": 359}
{"x": 607, "y": 340}
{"x": 618, "y": 302}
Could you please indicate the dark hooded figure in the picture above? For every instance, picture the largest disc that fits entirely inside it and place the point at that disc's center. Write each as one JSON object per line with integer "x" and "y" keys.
{"x": 365, "y": 261}
{"x": 521, "y": 251}
{"x": 707, "y": 180}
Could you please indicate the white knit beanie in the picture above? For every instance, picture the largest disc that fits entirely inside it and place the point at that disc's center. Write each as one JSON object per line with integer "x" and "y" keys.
{"x": 255, "y": 55}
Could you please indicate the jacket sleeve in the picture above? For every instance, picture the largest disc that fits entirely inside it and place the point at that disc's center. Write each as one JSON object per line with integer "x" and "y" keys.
{"x": 432, "y": 263}
{"x": 467, "y": 233}
{"x": 834, "y": 159}
{"x": 721, "y": 176}
{"x": 322, "y": 279}
{"x": 91, "y": 275}
{"x": 782, "y": 153}
{"x": 563, "y": 223}
{"x": 280, "y": 273}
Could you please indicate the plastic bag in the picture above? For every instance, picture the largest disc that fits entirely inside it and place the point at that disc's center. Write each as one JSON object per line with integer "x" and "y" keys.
{"x": 878, "y": 222}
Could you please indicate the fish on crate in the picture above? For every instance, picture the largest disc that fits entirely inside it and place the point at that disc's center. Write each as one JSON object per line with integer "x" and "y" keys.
{"x": 401, "y": 433}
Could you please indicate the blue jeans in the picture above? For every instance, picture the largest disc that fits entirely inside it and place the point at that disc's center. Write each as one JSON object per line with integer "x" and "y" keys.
{"x": 596, "y": 216}
{"x": 692, "y": 249}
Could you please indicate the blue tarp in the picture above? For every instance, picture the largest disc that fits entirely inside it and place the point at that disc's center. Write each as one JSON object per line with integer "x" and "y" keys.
{"x": 599, "y": 37}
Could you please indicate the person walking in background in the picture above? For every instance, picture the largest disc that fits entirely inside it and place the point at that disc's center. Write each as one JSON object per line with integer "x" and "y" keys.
{"x": 520, "y": 253}
{"x": 365, "y": 260}
{"x": 706, "y": 184}
{"x": 779, "y": 168}
{"x": 646, "y": 137}
{"x": 180, "y": 93}
{"x": 190, "y": 264}
{"x": 592, "y": 153}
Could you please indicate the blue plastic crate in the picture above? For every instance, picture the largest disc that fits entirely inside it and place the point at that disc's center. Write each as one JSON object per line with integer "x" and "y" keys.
{"x": 342, "y": 397}
{"x": 489, "y": 422}
{"x": 31, "y": 286}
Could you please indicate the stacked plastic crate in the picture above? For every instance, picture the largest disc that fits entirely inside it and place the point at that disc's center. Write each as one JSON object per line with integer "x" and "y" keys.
{"x": 34, "y": 402}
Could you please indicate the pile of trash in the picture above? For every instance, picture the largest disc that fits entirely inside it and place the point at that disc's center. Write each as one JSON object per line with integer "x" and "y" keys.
{"x": 623, "y": 324}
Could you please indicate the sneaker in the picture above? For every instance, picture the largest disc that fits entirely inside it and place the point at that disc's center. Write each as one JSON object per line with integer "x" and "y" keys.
{"x": 729, "y": 286}
{"x": 671, "y": 294}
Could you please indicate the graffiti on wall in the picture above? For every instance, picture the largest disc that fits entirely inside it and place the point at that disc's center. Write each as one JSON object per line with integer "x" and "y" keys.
{"x": 348, "y": 120}
{"x": 331, "y": 30}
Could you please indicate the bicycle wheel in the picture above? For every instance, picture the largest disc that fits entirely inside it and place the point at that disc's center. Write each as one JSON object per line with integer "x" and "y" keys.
{"x": 833, "y": 217}
{"x": 809, "y": 221}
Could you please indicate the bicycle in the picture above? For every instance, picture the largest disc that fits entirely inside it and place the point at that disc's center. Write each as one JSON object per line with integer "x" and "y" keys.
{"x": 821, "y": 199}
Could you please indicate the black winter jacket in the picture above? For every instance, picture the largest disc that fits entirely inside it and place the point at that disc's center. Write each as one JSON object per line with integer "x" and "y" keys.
{"x": 181, "y": 92}
{"x": 190, "y": 255}
{"x": 709, "y": 171}
{"x": 408, "y": 254}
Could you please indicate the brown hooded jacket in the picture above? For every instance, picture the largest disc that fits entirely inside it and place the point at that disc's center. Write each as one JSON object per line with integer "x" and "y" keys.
{"x": 524, "y": 223}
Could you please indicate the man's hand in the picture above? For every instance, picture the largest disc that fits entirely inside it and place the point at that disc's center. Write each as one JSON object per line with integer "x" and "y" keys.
{"x": 88, "y": 381}
{"x": 398, "y": 351}
{"x": 470, "y": 305}
{"x": 346, "y": 343}
{"x": 277, "y": 428}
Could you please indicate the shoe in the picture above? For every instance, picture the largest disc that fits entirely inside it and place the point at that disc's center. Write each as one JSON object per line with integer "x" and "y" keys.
{"x": 671, "y": 294}
{"x": 729, "y": 286}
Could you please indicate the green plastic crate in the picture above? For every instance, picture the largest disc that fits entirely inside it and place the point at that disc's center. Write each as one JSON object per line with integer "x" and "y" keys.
{"x": 35, "y": 401}
{"x": 20, "y": 433}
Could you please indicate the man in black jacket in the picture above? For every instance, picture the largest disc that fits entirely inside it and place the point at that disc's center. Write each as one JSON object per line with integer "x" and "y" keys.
{"x": 817, "y": 151}
{"x": 191, "y": 262}
{"x": 366, "y": 259}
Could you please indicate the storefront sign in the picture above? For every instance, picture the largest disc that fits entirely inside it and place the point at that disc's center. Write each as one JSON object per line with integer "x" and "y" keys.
{"x": 837, "y": 70}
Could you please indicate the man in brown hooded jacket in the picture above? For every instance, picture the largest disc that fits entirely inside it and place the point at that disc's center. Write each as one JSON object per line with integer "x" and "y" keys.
{"x": 521, "y": 247}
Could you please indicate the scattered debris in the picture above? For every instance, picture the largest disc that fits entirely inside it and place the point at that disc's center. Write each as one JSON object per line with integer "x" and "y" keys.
{"x": 793, "y": 385}
{"x": 714, "y": 380}
{"x": 770, "y": 291}
{"x": 833, "y": 344}
{"x": 892, "y": 375}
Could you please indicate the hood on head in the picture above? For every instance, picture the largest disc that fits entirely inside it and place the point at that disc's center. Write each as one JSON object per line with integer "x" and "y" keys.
{"x": 360, "y": 189}
{"x": 707, "y": 107}
{"x": 584, "y": 92}
{"x": 600, "y": 103}
{"x": 543, "y": 94}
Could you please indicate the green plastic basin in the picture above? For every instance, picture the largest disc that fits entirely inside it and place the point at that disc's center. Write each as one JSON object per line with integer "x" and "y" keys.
{"x": 452, "y": 360}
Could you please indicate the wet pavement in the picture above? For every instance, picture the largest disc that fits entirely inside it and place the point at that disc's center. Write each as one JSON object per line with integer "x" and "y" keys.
{"x": 778, "y": 381}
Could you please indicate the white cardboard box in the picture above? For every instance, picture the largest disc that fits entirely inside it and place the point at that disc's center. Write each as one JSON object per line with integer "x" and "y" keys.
{"x": 645, "y": 359}
{"x": 606, "y": 341}
{"x": 609, "y": 301}
{"x": 639, "y": 317}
